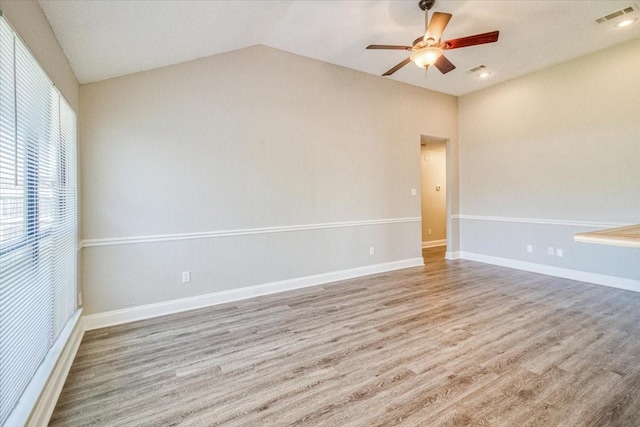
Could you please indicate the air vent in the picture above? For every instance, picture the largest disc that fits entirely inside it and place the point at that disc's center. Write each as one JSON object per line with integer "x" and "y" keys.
{"x": 617, "y": 13}
{"x": 476, "y": 69}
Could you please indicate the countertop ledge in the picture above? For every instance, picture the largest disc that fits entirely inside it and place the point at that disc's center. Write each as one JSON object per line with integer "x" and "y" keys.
{"x": 628, "y": 236}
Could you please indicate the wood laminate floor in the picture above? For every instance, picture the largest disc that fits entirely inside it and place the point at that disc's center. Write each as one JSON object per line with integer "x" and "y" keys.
{"x": 452, "y": 343}
{"x": 433, "y": 254}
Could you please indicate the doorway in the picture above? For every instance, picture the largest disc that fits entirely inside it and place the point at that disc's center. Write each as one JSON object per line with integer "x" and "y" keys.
{"x": 433, "y": 184}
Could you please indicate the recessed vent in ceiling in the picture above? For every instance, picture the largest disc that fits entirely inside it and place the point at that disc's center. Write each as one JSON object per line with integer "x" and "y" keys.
{"x": 617, "y": 13}
{"x": 476, "y": 69}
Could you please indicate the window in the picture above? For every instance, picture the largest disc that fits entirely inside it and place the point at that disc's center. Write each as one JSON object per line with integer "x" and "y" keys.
{"x": 38, "y": 231}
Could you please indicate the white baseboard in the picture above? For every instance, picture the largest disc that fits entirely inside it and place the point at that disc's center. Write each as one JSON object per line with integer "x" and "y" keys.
{"x": 434, "y": 243}
{"x": 116, "y": 317}
{"x": 38, "y": 401}
{"x": 452, "y": 255}
{"x": 565, "y": 273}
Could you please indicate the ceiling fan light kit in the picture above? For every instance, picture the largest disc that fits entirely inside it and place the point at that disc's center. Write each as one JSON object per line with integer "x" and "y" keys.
{"x": 427, "y": 50}
{"x": 426, "y": 56}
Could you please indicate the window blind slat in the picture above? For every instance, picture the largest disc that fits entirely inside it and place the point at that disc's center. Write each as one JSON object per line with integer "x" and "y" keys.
{"x": 38, "y": 210}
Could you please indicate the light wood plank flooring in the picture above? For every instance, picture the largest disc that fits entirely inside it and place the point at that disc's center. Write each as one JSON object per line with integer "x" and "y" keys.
{"x": 433, "y": 254}
{"x": 454, "y": 343}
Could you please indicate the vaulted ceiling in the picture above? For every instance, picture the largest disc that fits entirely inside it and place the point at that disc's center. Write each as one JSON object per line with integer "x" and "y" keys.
{"x": 105, "y": 39}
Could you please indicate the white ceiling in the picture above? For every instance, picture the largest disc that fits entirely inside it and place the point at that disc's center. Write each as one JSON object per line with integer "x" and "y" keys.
{"x": 105, "y": 39}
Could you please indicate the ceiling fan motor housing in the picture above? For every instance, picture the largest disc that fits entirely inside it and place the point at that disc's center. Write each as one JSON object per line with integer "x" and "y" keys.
{"x": 426, "y": 4}
{"x": 427, "y": 50}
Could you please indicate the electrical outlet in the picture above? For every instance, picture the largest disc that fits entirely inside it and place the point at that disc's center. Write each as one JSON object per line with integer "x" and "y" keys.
{"x": 186, "y": 276}
{"x": 559, "y": 253}
{"x": 550, "y": 251}
{"x": 372, "y": 250}
{"x": 79, "y": 298}
{"x": 429, "y": 231}
{"x": 529, "y": 248}
{"x": 414, "y": 192}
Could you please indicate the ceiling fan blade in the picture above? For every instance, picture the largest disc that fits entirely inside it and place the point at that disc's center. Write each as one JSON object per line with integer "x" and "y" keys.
{"x": 386, "y": 46}
{"x": 471, "y": 40}
{"x": 444, "y": 65}
{"x": 437, "y": 25}
{"x": 397, "y": 67}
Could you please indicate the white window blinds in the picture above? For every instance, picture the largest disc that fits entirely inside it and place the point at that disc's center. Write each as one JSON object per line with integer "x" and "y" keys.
{"x": 37, "y": 217}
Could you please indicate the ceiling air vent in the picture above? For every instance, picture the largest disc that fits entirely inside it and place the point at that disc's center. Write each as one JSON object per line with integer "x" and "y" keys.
{"x": 617, "y": 13}
{"x": 476, "y": 69}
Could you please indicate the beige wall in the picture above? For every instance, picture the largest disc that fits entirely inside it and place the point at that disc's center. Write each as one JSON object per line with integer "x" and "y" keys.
{"x": 221, "y": 144}
{"x": 434, "y": 201}
{"x": 28, "y": 19}
{"x": 563, "y": 145}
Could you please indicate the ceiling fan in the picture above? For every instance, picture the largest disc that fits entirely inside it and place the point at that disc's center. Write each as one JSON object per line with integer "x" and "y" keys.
{"x": 427, "y": 50}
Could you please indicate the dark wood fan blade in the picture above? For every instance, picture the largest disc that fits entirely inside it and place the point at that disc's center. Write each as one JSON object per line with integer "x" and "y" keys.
{"x": 397, "y": 67}
{"x": 437, "y": 25}
{"x": 386, "y": 46}
{"x": 471, "y": 40}
{"x": 444, "y": 65}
